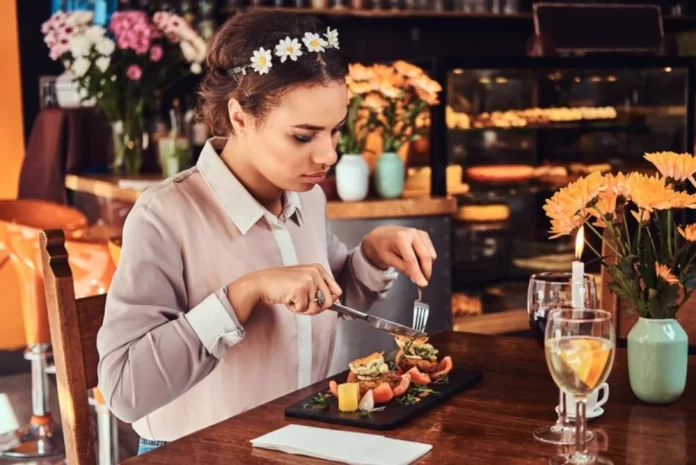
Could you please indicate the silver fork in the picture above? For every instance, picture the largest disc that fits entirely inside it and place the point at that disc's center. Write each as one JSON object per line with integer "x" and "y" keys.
{"x": 421, "y": 310}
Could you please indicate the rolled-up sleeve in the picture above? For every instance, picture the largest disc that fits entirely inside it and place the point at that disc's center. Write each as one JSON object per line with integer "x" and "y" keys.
{"x": 153, "y": 347}
{"x": 363, "y": 284}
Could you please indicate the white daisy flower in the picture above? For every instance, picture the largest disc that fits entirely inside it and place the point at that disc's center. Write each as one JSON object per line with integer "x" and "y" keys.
{"x": 331, "y": 37}
{"x": 261, "y": 61}
{"x": 314, "y": 43}
{"x": 95, "y": 33}
{"x": 80, "y": 46}
{"x": 288, "y": 48}
{"x": 103, "y": 63}
{"x": 105, "y": 46}
{"x": 80, "y": 66}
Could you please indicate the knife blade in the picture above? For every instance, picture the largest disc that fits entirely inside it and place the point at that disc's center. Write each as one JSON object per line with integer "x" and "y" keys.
{"x": 377, "y": 322}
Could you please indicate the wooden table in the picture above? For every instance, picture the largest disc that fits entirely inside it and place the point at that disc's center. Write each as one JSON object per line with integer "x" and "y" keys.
{"x": 490, "y": 424}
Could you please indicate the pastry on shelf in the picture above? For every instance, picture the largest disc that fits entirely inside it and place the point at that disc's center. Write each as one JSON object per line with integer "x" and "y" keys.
{"x": 418, "y": 181}
{"x": 465, "y": 305}
{"x": 500, "y": 174}
{"x": 551, "y": 262}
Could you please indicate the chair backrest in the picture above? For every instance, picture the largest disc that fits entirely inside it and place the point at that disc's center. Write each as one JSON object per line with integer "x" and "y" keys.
{"x": 74, "y": 324}
{"x": 623, "y": 322}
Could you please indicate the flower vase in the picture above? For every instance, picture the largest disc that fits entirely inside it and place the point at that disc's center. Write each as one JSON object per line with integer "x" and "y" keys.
{"x": 658, "y": 351}
{"x": 389, "y": 176}
{"x": 128, "y": 146}
{"x": 352, "y": 177}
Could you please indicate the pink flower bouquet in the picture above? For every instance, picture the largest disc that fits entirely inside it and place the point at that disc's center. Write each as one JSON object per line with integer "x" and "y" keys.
{"x": 125, "y": 65}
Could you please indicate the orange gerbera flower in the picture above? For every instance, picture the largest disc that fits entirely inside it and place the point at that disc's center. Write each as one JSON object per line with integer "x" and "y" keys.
{"x": 666, "y": 274}
{"x": 677, "y": 166}
{"x": 389, "y": 90}
{"x": 650, "y": 192}
{"x": 407, "y": 69}
{"x": 568, "y": 208}
{"x": 683, "y": 200}
{"x": 688, "y": 232}
{"x": 360, "y": 72}
{"x": 374, "y": 102}
{"x": 618, "y": 185}
{"x": 360, "y": 87}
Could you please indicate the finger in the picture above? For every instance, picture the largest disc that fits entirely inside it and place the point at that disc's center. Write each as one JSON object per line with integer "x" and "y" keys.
{"x": 299, "y": 299}
{"x": 405, "y": 250}
{"x": 426, "y": 239}
{"x": 328, "y": 299}
{"x": 424, "y": 256}
{"x": 330, "y": 282}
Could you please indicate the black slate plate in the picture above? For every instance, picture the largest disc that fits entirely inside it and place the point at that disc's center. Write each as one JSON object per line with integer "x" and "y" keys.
{"x": 395, "y": 414}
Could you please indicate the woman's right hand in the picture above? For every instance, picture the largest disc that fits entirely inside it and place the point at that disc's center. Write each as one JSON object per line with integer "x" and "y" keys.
{"x": 294, "y": 286}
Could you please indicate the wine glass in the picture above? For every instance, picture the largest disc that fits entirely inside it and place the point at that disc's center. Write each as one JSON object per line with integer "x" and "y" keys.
{"x": 579, "y": 345}
{"x": 548, "y": 291}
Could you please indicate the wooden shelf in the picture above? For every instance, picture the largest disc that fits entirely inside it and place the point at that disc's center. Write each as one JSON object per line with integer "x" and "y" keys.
{"x": 388, "y": 13}
{"x": 128, "y": 189}
{"x": 384, "y": 13}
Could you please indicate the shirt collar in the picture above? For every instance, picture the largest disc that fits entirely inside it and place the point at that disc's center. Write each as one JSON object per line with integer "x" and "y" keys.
{"x": 242, "y": 208}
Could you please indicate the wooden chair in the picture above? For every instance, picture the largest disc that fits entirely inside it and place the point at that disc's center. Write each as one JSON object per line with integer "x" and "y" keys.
{"x": 74, "y": 324}
{"x": 623, "y": 322}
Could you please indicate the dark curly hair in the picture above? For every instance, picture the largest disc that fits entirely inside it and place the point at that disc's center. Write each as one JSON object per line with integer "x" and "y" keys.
{"x": 233, "y": 45}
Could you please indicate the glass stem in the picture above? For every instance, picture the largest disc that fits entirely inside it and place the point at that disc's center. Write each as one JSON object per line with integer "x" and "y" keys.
{"x": 581, "y": 428}
{"x": 563, "y": 406}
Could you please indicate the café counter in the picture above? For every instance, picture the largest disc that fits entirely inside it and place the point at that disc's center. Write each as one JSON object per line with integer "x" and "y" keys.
{"x": 108, "y": 199}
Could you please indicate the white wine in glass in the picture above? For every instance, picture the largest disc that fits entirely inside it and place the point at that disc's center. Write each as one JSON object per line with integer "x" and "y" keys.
{"x": 548, "y": 291}
{"x": 579, "y": 346}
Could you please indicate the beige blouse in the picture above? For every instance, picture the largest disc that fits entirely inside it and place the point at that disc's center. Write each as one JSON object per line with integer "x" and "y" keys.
{"x": 173, "y": 356}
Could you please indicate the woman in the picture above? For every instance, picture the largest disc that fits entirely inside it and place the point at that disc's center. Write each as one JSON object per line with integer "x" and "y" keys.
{"x": 226, "y": 269}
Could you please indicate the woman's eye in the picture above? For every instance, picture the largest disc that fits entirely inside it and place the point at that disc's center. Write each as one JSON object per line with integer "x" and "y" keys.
{"x": 302, "y": 139}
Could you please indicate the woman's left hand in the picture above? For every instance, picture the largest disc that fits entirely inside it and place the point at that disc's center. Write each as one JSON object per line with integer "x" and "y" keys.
{"x": 408, "y": 250}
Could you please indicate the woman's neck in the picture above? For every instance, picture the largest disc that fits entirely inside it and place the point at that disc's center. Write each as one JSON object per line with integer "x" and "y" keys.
{"x": 268, "y": 195}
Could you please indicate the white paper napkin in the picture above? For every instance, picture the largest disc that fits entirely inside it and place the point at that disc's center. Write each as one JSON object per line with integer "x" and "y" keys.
{"x": 342, "y": 446}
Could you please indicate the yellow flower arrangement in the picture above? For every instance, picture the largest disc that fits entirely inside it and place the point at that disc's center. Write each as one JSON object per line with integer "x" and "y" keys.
{"x": 655, "y": 268}
{"x": 391, "y": 99}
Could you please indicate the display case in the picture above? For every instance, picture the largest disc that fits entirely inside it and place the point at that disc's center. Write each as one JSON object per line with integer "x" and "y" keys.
{"x": 522, "y": 128}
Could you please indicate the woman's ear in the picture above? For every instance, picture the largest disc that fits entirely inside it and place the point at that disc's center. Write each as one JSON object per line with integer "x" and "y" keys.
{"x": 238, "y": 118}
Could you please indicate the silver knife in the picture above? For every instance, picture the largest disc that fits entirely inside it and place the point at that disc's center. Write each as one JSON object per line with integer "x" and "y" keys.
{"x": 377, "y": 322}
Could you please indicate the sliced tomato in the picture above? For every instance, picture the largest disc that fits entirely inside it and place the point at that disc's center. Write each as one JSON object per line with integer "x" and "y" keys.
{"x": 397, "y": 357}
{"x": 418, "y": 378}
{"x": 382, "y": 394}
{"x": 352, "y": 377}
{"x": 333, "y": 387}
{"x": 401, "y": 389}
{"x": 443, "y": 368}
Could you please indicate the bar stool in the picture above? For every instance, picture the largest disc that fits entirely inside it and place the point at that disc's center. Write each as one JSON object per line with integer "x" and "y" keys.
{"x": 20, "y": 223}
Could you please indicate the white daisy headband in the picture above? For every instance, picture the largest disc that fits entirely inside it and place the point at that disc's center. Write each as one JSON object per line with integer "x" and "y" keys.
{"x": 262, "y": 61}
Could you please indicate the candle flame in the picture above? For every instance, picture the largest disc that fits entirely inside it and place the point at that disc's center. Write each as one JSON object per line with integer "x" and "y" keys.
{"x": 579, "y": 242}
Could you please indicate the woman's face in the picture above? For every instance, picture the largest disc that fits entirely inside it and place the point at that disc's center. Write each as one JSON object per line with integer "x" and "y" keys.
{"x": 296, "y": 144}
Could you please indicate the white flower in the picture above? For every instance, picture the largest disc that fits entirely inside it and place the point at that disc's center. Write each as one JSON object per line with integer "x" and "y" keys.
{"x": 80, "y": 46}
{"x": 313, "y": 42}
{"x": 196, "y": 68}
{"x": 103, "y": 63}
{"x": 288, "y": 48}
{"x": 188, "y": 50}
{"x": 201, "y": 48}
{"x": 105, "y": 46}
{"x": 95, "y": 34}
{"x": 80, "y": 18}
{"x": 80, "y": 66}
{"x": 261, "y": 61}
{"x": 331, "y": 37}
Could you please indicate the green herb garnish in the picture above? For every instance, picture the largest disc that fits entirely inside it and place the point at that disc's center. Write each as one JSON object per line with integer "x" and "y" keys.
{"x": 443, "y": 380}
{"x": 318, "y": 402}
{"x": 365, "y": 413}
{"x": 415, "y": 394}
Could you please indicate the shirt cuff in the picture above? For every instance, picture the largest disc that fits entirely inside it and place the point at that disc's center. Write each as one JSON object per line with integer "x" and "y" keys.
{"x": 216, "y": 323}
{"x": 368, "y": 274}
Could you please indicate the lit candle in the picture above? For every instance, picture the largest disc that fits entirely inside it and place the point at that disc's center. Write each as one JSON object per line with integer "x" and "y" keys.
{"x": 578, "y": 276}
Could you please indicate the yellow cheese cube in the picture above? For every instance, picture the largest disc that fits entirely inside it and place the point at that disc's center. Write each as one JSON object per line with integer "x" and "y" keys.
{"x": 348, "y": 397}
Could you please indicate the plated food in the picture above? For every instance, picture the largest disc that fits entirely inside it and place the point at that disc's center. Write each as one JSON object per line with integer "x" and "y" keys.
{"x": 372, "y": 380}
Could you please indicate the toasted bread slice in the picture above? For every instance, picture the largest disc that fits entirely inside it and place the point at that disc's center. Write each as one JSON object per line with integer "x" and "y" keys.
{"x": 361, "y": 362}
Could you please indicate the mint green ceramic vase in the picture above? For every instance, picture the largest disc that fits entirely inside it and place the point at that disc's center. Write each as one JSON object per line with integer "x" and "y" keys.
{"x": 389, "y": 176}
{"x": 658, "y": 352}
